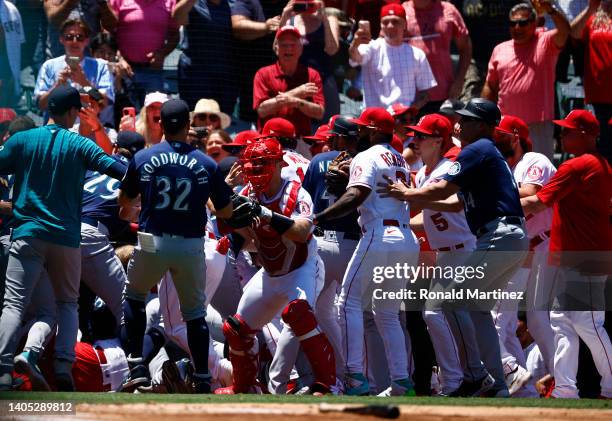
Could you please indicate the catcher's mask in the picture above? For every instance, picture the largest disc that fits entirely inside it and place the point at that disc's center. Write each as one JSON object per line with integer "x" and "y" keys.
{"x": 258, "y": 162}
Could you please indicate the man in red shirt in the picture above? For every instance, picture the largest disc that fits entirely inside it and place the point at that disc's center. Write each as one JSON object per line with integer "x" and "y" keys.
{"x": 580, "y": 240}
{"x": 286, "y": 88}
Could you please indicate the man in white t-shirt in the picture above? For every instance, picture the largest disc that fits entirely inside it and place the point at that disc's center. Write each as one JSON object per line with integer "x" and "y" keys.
{"x": 392, "y": 70}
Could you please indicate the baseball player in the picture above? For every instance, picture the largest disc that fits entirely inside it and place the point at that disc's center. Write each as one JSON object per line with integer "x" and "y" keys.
{"x": 531, "y": 171}
{"x": 580, "y": 245}
{"x": 290, "y": 277}
{"x": 49, "y": 164}
{"x": 448, "y": 234}
{"x": 386, "y": 241}
{"x": 338, "y": 239}
{"x": 101, "y": 269}
{"x": 493, "y": 212}
{"x": 175, "y": 181}
{"x": 284, "y": 131}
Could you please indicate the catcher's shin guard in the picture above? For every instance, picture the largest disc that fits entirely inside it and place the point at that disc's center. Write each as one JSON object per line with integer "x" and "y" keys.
{"x": 243, "y": 350}
{"x": 300, "y": 317}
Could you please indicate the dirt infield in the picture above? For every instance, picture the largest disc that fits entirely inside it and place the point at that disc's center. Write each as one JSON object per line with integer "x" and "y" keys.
{"x": 311, "y": 412}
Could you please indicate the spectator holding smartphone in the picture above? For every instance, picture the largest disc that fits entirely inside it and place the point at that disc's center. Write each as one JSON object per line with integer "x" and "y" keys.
{"x": 148, "y": 120}
{"x": 73, "y": 68}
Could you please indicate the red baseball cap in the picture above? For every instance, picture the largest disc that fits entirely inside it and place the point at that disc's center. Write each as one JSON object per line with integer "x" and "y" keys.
{"x": 393, "y": 9}
{"x": 242, "y": 139}
{"x": 7, "y": 114}
{"x": 514, "y": 125}
{"x": 433, "y": 125}
{"x": 288, "y": 29}
{"x": 399, "y": 109}
{"x": 278, "y": 127}
{"x": 397, "y": 144}
{"x": 580, "y": 120}
{"x": 321, "y": 135}
{"x": 378, "y": 118}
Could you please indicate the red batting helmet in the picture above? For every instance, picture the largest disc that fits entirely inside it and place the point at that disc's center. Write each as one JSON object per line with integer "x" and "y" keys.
{"x": 258, "y": 160}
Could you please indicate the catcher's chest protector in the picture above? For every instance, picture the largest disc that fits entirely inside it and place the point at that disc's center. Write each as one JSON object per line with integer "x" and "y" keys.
{"x": 277, "y": 254}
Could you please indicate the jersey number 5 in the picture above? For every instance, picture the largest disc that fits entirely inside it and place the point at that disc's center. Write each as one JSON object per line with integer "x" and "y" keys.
{"x": 439, "y": 221}
{"x": 179, "y": 188}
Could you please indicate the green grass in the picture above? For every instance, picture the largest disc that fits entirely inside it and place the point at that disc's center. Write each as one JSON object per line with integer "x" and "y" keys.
{"x": 123, "y": 398}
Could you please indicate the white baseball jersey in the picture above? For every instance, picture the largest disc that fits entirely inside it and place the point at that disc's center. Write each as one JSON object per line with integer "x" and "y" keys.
{"x": 443, "y": 229}
{"x": 535, "y": 168}
{"x": 368, "y": 169}
{"x": 296, "y": 166}
{"x": 277, "y": 254}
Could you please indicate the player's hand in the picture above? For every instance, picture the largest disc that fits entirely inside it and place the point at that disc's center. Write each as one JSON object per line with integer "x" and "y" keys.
{"x": 396, "y": 189}
{"x": 235, "y": 176}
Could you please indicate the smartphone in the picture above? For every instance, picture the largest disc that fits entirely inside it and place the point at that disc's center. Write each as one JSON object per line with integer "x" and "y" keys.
{"x": 364, "y": 25}
{"x": 305, "y": 6}
{"x": 73, "y": 62}
{"x": 300, "y": 6}
{"x": 131, "y": 112}
{"x": 201, "y": 132}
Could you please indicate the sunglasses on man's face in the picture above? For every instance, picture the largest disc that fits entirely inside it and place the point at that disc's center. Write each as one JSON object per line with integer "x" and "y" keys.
{"x": 520, "y": 22}
{"x": 212, "y": 117}
{"x": 74, "y": 37}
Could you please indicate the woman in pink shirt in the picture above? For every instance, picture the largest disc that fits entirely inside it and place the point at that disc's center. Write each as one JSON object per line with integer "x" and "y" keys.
{"x": 146, "y": 34}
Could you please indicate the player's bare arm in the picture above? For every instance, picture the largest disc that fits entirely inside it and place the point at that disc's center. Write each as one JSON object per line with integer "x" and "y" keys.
{"x": 529, "y": 189}
{"x": 346, "y": 204}
{"x": 532, "y": 204}
{"x": 416, "y": 222}
{"x": 425, "y": 196}
{"x": 452, "y": 204}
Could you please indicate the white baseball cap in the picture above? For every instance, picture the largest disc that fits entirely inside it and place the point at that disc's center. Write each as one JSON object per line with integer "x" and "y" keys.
{"x": 153, "y": 97}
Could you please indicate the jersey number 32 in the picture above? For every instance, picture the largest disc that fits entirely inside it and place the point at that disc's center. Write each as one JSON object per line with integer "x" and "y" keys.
{"x": 168, "y": 189}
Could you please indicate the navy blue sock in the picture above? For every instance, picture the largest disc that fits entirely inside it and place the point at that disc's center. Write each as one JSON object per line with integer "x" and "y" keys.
{"x": 153, "y": 341}
{"x": 135, "y": 323}
{"x": 198, "y": 338}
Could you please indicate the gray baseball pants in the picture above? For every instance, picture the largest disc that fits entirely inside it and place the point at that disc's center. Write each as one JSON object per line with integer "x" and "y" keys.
{"x": 27, "y": 260}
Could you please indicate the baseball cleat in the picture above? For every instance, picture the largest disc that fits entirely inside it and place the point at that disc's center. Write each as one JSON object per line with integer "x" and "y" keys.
{"x": 201, "y": 383}
{"x": 138, "y": 376}
{"x": 356, "y": 384}
{"x": 399, "y": 388}
{"x": 25, "y": 363}
{"x": 63, "y": 375}
{"x": 476, "y": 388}
{"x": 516, "y": 379}
{"x": 316, "y": 389}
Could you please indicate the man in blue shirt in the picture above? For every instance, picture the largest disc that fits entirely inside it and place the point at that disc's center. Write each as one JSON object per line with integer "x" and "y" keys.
{"x": 174, "y": 181}
{"x": 49, "y": 164}
{"x": 102, "y": 270}
{"x": 483, "y": 181}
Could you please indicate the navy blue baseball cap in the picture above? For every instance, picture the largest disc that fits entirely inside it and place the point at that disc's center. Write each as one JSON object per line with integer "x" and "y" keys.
{"x": 174, "y": 115}
{"x": 481, "y": 109}
{"x": 63, "y": 98}
{"x": 132, "y": 141}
